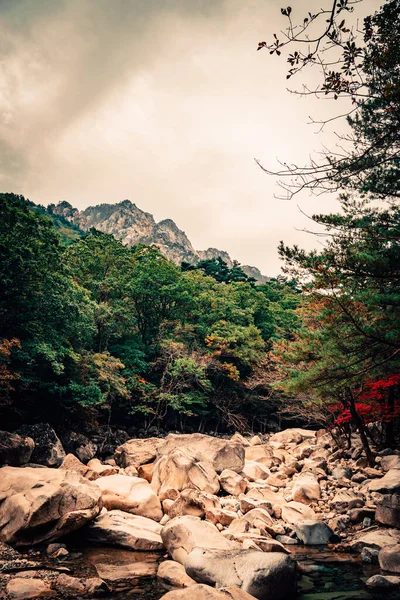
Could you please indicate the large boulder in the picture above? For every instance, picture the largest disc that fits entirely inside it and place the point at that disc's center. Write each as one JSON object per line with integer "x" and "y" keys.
{"x": 313, "y": 533}
{"x": 264, "y": 575}
{"x": 182, "y": 534}
{"x": 193, "y": 502}
{"x": 389, "y": 558}
{"x": 136, "y": 452}
{"x": 295, "y": 435}
{"x": 15, "y": 450}
{"x": 173, "y": 574}
{"x": 130, "y": 494}
{"x": 232, "y": 483}
{"x": 119, "y": 528}
{"x": 220, "y": 453}
{"x": 377, "y": 539}
{"x": 293, "y": 512}
{"x": 306, "y": 489}
{"x": 392, "y": 461}
{"x": 38, "y": 505}
{"x": 78, "y": 444}
{"x": 180, "y": 471}
{"x": 388, "y": 510}
{"x": 48, "y": 449}
{"x": 205, "y": 592}
{"x": 388, "y": 484}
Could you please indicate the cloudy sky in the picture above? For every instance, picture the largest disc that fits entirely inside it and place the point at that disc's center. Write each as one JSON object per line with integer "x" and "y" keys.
{"x": 164, "y": 102}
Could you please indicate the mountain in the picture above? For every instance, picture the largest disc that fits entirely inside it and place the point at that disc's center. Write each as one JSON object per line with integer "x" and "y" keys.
{"x": 128, "y": 223}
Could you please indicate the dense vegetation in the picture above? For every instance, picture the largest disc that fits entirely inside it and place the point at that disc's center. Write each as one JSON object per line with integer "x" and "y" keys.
{"x": 96, "y": 330}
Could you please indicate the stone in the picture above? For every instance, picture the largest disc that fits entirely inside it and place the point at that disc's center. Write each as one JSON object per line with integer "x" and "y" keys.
{"x": 313, "y": 533}
{"x": 255, "y": 441}
{"x": 193, "y": 502}
{"x": 220, "y": 453}
{"x": 15, "y": 450}
{"x": 389, "y": 558}
{"x": 79, "y": 445}
{"x": 293, "y": 512}
{"x": 22, "y": 588}
{"x": 341, "y": 473}
{"x": 146, "y": 471}
{"x": 72, "y": 463}
{"x": 369, "y": 555}
{"x": 70, "y": 584}
{"x": 180, "y": 471}
{"x": 389, "y": 462}
{"x": 205, "y": 592}
{"x": 345, "y": 500}
{"x": 136, "y": 452}
{"x": 294, "y": 435}
{"x": 383, "y": 582}
{"x": 306, "y": 489}
{"x": 357, "y": 515}
{"x": 101, "y": 470}
{"x": 173, "y": 574}
{"x": 388, "y": 484}
{"x": 95, "y": 586}
{"x": 377, "y": 539}
{"x": 182, "y": 534}
{"x": 261, "y": 454}
{"x": 48, "y": 450}
{"x": 42, "y": 505}
{"x": 267, "y": 576}
{"x": 246, "y": 504}
{"x": 222, "y": 516}
{"x": 388, "y": 510}
{"x": 253, "y": 471}
{"x": 130, "y": 494}
{"x": 119, "y": 528}
{"x": 126, "y": 575}
{"x": 258, "y": 515}
{"x": 232, "y": 483}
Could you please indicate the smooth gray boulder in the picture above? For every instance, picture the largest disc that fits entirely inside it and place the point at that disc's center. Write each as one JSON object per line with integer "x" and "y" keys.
{"x": 264, "y": 575}
{"x": 314, "y": 533}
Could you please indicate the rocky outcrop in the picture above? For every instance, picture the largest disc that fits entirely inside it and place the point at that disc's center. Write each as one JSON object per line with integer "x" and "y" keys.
{"x": 48, "y": 450}
{"x": 136, "y": 452}
{"x": 15, "y": 450}
{"x": 38, "y": 505}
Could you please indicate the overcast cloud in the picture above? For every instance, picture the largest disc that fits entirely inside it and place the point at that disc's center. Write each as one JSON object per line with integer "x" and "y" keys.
{"x": 164, "y": 102}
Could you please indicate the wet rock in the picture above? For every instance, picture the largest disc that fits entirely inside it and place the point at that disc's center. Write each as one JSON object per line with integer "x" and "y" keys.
{"x": 130, "y": 494}
{"x": 173, "y": 574}
{"x": 232, "y": 483}
{"x": 266, "y": 576}
{"x": 119, "y": 528}
{"x": 220, "y": 453}
{"x": 15, "y": 450}
{"x": 22, "y": 588}
{"x": 136, "y": 452}
{"x": 48, "y": 450}
{"x": 38, "y": 505}
{"x": 179, "y": 471}
{"x": 182, "y": 534}
{"x": 383, "y": 582}
{"x": 313, "y": 533}
{"x": 389, "y": 558}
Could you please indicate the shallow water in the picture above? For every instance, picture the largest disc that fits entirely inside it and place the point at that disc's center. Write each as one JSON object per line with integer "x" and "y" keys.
{"x": 326, "y": 575}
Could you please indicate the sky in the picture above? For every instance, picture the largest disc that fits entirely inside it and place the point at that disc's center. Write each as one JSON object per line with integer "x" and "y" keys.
{"x": 164, "y": 102}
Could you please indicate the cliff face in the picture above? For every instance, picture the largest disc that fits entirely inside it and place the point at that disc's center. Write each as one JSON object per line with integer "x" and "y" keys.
{"x": 128, "y": 223}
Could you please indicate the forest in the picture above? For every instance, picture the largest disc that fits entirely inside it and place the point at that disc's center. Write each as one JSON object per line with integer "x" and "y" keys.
{"x": 96, "y": 333}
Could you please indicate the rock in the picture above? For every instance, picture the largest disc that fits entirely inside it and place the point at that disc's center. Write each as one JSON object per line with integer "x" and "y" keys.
{"x": 21, "y": 588}
{"x": 388, "y": 510}
{"x": 48, "y": 450}
{"x": 180, "y": 471}
{"x": 146, "y": 471}
{"x": 340, "y": 522}
{"x": 246, "y": 504}
{"x": 232, "y": 483}
{"x": 38, "y": 505}
{"x": 222, "y": 516}
{"x": 220, "y": 453}
{"x": 192, "y": 502}
{"x": 15, "y": 450}
{"x": 293, "y": 512}
{"x": 182, "y": 534}
{"x": 101, "y": 470}
{"x": 57, "y": 551}
{"x": 257, "y": 516}
{"x": 254, "y": 471}
{"x": 130, "y": 494}
{"x": 66, "y": 583}
{"x": 313, "y": 533}
{"x": 389, "y": 558}
{"x": 260, "y": 454}
{"x": 377, "y": 539}
{"x": 120, "y": 528}
{"x": 346, "y": 500}
{"x": 72, "y": 463}
{"x": 341, "y": 473}
{"x": 390, "y": 462}
{"x": 205, "y": 592}
{"x": 357, "y": 515}
{"x": 125, "y": 575}
{"x": 295, "y": 435}
{"x": 266, "y": 576}
{"x": 255, "y": 441}
{"x": 136, "y": 452}
{"x": 388, "y": 484}
{"x": 383, "y": 582}
{"x": 369, "y": 555}
{"x": 306, "y": 489}
{"x": 95, "y": 586}
{"x": 79, "y": 445}
{"x": 173, "y": 574}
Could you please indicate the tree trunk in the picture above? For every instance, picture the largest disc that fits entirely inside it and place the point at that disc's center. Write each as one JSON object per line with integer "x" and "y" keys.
{"x": 361, "y": 429}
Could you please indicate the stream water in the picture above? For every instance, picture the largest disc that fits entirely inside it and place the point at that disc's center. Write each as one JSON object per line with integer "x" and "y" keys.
{"x": 326, "y": 575}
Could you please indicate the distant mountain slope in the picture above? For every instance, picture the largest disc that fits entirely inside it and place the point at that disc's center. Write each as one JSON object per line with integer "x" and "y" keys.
{"x": 128, "y": 223}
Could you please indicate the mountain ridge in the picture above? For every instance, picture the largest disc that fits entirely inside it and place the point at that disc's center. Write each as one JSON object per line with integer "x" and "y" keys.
{"x": 130, "y": 224}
